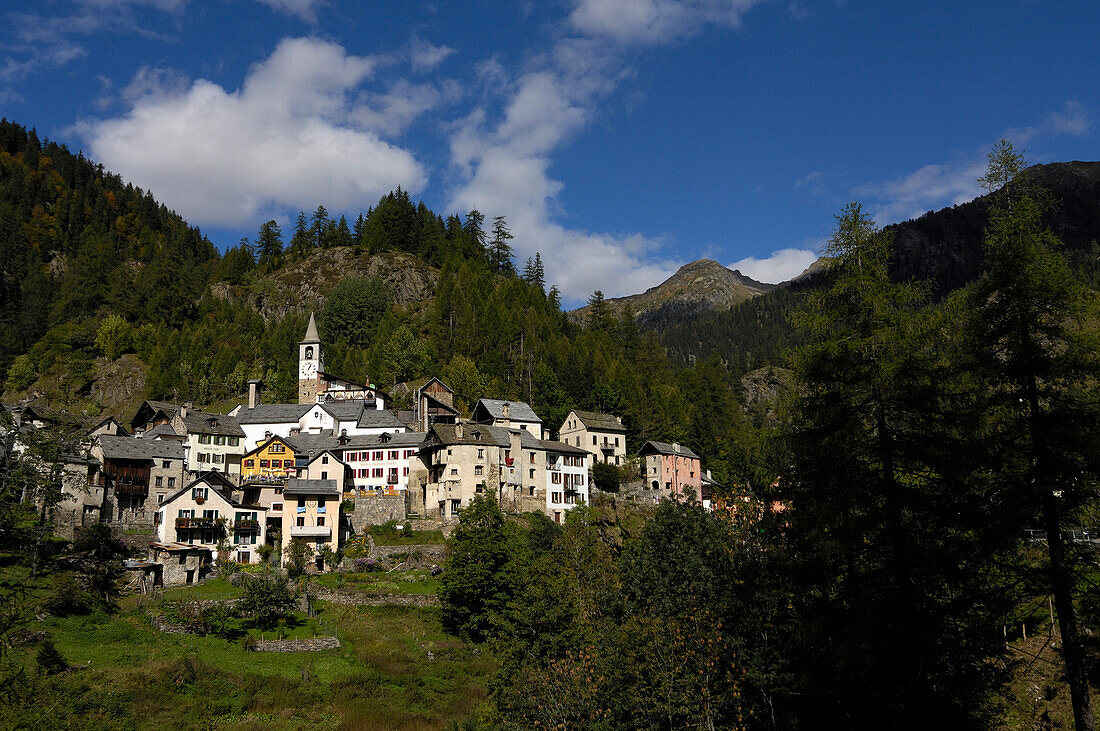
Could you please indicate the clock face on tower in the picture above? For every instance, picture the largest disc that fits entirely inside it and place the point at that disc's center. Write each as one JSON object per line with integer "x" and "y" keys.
{"x": 308, "y": 370}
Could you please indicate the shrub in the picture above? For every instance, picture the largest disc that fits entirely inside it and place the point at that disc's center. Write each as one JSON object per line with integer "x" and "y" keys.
{"x": 266, "y": 600}
{"x": 49, "y": 660}
{"x": 67, "y": 597}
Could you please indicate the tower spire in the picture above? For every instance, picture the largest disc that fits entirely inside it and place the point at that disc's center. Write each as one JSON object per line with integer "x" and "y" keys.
{"x": 311, "y": 331}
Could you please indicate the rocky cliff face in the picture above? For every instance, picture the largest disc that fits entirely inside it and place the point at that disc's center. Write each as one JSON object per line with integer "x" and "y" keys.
{"x": 303, "y": 286}
{"x": 701, "y": 285}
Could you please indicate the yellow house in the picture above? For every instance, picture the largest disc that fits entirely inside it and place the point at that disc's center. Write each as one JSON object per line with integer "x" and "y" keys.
{"x": 271, "y": 461}
{"x": 311, "y": 513}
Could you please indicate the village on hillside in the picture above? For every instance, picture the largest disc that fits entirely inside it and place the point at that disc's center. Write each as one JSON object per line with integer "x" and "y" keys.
{"x": 320, "y": 471}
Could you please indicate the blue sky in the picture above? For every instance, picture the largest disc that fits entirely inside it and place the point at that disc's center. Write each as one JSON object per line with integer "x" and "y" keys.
{"x": 620, "y": 138}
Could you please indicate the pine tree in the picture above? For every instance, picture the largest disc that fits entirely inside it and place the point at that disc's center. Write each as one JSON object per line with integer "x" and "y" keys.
{"x": 500, "y": 252}
{"x": 597, "y": 311}
{"x": 1030, "y": 309}
{"x": 300, "y": 242}
{"x": 319, "y": 227}
{"x": 269, "y": 242}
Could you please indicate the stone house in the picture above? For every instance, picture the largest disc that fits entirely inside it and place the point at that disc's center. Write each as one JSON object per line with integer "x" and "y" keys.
{"x": 311, "y": 513}
{"x": 137, "y": 475}
{"x": 508, "y": 414}
{"x": 152, "y": 413}
{"x": 209, "y": 509}
{"x": 180, "y": 563}
{"x": 603, "y": 435}
{"x": 671, "y": 471}
{"x": 215, "y": 442}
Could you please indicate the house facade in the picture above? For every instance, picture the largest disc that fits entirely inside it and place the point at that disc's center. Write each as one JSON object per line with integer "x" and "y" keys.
{"x": 566, "y": 478}
{"x": 602, "y": 435}
{"x": 209, "y": 509}
{"x": 672, "y": 470}
{"x": 214, "y": 442}
{"x": 311, "y": 513}
{"x": 273, "y": 461}
{"x": 137, "y": 475}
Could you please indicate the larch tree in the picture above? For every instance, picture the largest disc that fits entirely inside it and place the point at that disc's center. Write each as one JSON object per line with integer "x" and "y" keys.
{"x": 1030, "y": 311}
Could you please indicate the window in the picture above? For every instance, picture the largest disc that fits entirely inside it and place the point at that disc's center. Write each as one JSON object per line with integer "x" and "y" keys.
{"x": 160, "y": 501}
{"x": 265, "y": 464}
{"x": 199, "y": 493}
{"x": 377, "y": 472}
{"x": 320, "y": 521}
{"x": 481, "y": 454}
{"x": 616, "y": 441}
{"x": 454, "y": 470}
{"x": 276, "y": 448}
{"x": 532, "y": 473}
{"x": 394, "y": 454}
{"x": 532, "y": 490}
{"x": 410, "y": 453}
{"x": 532, "y": 457}
{"x": 362, "y": 473}
{"x": 171, "y": 482}
{"x": 186, "y": 513}
{"x": 555, "y": 478}
{"x": 277, "y": 506}
{"x": 234, "y": 441}
{"x": 324, "y": 460}
{"x": 321, "y": 505}
{"x": 378, "y": 456}
{"x": 364, "y": 456}
{"x": 593, "y": 440}
{"x": 219, "y": 458}
{"x": 160, "y": 481}
{"x": 276, "y": 463}
{"x": 249, "y": 462}
{"x": 301, "y": 522}
{"x": 478, "y": 470}
{"x": 324, "y": 475}
{"x": 165, "y": 464}
{"x": 219, "y": 440}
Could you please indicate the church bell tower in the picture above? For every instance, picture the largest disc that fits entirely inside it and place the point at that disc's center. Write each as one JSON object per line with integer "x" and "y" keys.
{"x": 311, "y": 362}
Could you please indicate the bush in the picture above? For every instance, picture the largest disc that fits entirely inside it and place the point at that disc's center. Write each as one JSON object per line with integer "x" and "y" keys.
{"x": 114, "y": 337}
{"x": 297, "y": 555}
{"x": 606, "y": 477}
{"x": 49, "y": 660}
{"x": 266, "y": 600}
{"x": 67, "y": 597}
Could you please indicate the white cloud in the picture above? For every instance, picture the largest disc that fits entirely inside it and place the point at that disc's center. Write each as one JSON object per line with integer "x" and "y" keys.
{"x": 289, "y": 138}
{"x": 1074, "y": 120}
{"x": 304, "y": 9}
{"x": 781, "y": 266}
{"x": 504, "y": 163}
{"x": 654, "y": 21}
{"x": 424, "y": 56}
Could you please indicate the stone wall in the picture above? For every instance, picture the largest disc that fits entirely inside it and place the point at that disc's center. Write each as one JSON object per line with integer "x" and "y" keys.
{"x": 315, "y": 644}
{"x": 376, "y": 510}
{"x": 419, "y": 556}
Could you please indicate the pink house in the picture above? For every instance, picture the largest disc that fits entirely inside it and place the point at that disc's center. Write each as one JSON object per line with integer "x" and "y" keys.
{"x": 673, "y": 470}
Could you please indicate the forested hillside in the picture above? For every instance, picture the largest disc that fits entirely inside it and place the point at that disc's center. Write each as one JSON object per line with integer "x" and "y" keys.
{"x": 111, "y": 298}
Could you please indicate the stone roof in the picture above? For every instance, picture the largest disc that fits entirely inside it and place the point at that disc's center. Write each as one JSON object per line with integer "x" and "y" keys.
{"x": 295, "y": 486}
{"x": 201, "y": 422}
{"x": 344, "y": 410}
{"x": 562, "y": 448}
{"x": 119, "y": 447}
{"x": 326, "y": 440}
{"x": 161, "y": 430}
{"x": 272, "y": 413}
{"x": 678, "y": 450}
{"x": 598, "y": 421}
{"x": 518, "y": 410}
{"x": 447, "y": 434}
{"x": 378, "y": 419}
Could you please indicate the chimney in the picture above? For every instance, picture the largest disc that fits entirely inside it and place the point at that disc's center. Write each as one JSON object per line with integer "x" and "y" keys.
{"x": 675, "y": 447}
{"x": 506, "y": 410}
{"x": 619, "y": 419}
{"x": 458, "y": 430}
{"x": 253, "y": 393}
{"x": 184, "y": 409}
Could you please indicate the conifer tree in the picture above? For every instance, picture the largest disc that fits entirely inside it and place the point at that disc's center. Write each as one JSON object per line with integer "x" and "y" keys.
{"x": 269, "y": 242}
{"x": 1030, "y": 309}
{"x": 500, "y": 251}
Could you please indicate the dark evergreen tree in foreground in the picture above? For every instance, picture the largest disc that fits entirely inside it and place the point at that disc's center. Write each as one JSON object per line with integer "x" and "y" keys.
{"x": 1042, "y": 365}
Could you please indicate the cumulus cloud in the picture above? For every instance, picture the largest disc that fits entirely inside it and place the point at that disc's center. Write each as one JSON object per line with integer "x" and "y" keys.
{"x": 781, "y": 266}
{"x": 503, "y": 162}
{"x": 289, "y": 138}
{"x": 654, "y": 21}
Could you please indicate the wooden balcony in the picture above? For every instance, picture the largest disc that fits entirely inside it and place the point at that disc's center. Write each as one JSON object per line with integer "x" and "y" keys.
{"x": 247, "y": 526}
